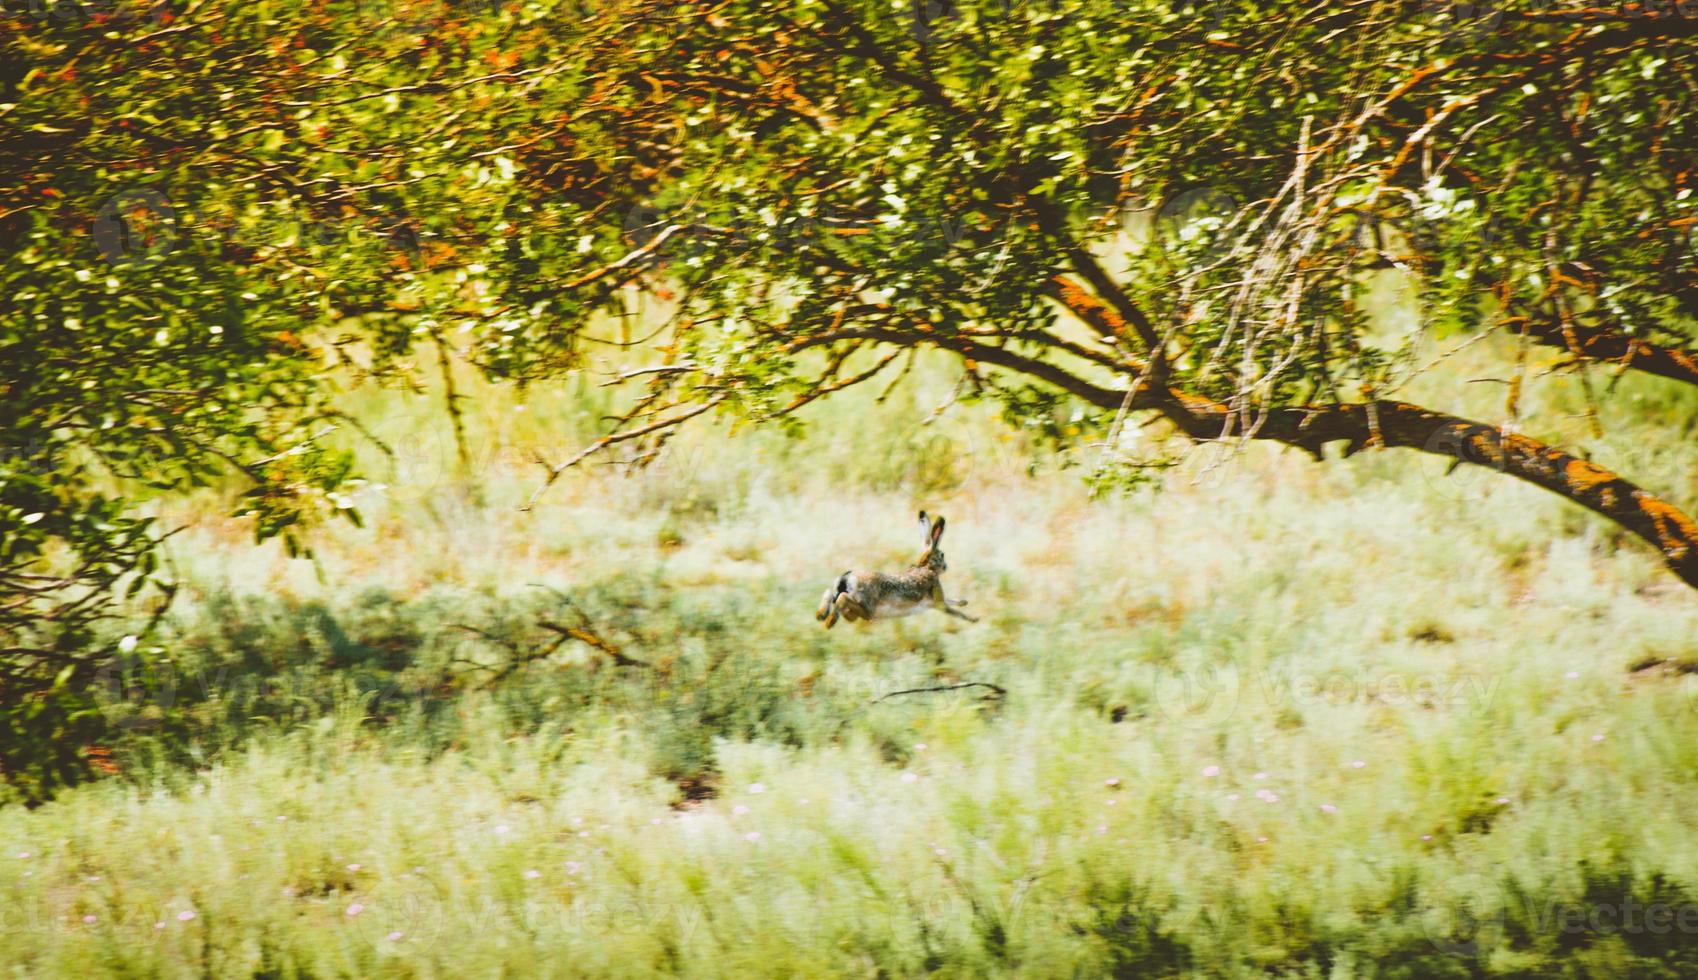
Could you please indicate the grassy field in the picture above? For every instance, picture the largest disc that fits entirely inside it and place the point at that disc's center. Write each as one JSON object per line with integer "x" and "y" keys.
{"x": 1270, "y": 717}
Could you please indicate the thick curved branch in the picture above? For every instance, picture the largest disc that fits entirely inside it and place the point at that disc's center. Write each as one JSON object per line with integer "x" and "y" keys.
{"x": 1405, "y": 426}
{"x": 1601, "y": 344}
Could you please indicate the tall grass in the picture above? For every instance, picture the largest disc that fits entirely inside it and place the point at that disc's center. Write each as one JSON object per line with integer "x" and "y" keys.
{"x": 1359, "y": 718}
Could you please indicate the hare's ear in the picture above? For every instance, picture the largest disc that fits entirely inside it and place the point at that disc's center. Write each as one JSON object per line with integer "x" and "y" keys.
{"x": 937, "y": 532}
{"x": 925, "y": 526}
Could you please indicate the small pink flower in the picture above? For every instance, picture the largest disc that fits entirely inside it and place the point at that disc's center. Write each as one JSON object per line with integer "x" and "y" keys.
{"x": 501, "y": 828}
{"x": 1261, "y": 840}
{"x": 1503, "y": 801}
{"x": 739, "y": 810}
{"x": 186, "y": 915}
{"x": 940, "y": 852}
{"x": 919, "y": 746}
{"x": 1598, "y": 737}
{"x": 758, "y": 788}
{"x": 1232, "y": 797}
{"x": 1112, "y": 782}
{"x": 1426, "y": 836}
{"x": 1571, "y": 675}
{"x": 1267, "y": 796}
{"x": 1102, "y": 828}
{"x": 1211, "y": 771}
{"x": 90, "y": 920}
{"x": 573, "y": 867}
{"x": 1358, "y": 764}
{"x": 1328, "y": 808}
{"x": 353, "y": 867}
{"x": 159, "y": 925}
{"x": 395, "y": 936}
{"x": 1110, "y": 802}
{"x": 752, "y": 836}
{"x": 1260, "y": 775}
{"x": 355, "y": 909}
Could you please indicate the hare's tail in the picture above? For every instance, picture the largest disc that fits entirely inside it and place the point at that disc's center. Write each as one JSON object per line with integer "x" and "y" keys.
{"x": 828, "y": 604}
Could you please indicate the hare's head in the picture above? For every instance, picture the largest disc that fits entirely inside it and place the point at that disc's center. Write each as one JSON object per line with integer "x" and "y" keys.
{"x": 932, "y": 557}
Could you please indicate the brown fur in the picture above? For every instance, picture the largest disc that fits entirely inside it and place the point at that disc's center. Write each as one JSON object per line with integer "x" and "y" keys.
{"x": 860, "y": 596}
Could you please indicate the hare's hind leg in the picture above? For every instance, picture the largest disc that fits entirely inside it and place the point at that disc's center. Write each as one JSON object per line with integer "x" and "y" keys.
{"x": 851, "y": 610}
{"x": 828, "y": 610}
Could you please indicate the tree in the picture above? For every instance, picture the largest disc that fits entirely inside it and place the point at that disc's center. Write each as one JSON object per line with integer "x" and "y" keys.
{"x": 215, "y": 210}
{"x": 189, "y": 243}
{"x": 865, "y": 179}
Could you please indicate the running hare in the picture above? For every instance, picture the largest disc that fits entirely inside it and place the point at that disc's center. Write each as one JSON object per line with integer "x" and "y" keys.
{"x": 875, "y": 595}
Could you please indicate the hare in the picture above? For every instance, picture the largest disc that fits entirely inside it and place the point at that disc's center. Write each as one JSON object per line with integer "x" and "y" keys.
{"x": 875, "y": 595}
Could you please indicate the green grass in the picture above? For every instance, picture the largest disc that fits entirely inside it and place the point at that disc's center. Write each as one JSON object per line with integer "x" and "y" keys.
{"x": 1353, "y": 719}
